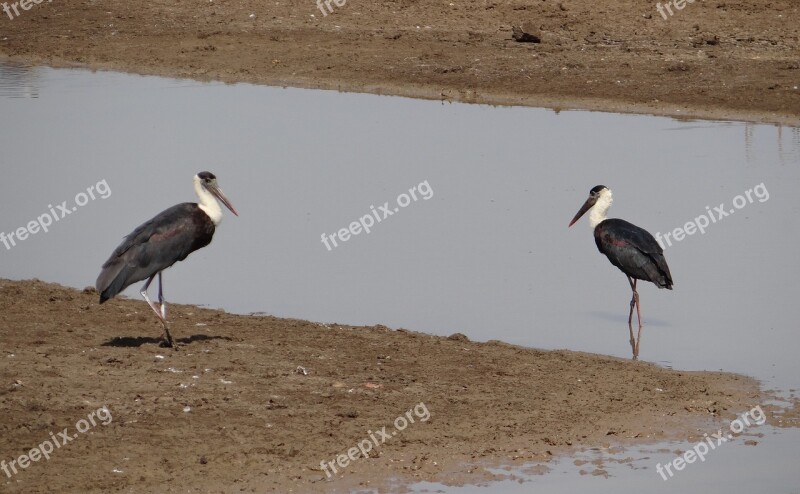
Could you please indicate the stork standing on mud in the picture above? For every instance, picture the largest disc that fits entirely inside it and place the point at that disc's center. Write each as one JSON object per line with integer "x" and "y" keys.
{"x": 159, "y": 243}
{"x": 630, "y": 248}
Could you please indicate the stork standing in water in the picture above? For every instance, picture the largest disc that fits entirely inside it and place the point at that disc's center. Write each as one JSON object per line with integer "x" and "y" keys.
{"x": 159, "y": 243}
{"x": 630, "y": 248}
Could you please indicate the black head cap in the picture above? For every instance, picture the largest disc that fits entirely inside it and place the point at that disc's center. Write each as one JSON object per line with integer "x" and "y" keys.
{"x": 206, "y": 176}
{"x": 596, "y": 189}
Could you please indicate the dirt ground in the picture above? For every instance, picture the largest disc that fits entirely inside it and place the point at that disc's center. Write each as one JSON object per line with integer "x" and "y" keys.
{"x": 254, "y": 404}
{"x": 736, "y": 59}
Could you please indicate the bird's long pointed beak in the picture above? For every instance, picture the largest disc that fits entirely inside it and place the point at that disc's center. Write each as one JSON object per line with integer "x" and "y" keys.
{"x": 586, "y": 206}
{"x": 224, "y": 200}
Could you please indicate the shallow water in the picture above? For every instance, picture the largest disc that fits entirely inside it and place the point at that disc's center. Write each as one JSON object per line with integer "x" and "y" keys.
{"x": 734, "y": 467}
{"x": 488, "y": 254}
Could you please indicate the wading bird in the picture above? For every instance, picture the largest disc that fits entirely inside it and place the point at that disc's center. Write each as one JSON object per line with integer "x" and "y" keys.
{"x": 630, "y": 248}
{"x": 159, "y": 243}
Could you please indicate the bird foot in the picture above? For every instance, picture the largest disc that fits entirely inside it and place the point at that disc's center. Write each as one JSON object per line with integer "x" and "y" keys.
{"x": 167, "y": 341}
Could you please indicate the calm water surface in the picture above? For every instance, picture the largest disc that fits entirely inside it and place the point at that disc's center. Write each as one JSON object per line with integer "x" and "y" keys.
{"x": 483, "y": 250}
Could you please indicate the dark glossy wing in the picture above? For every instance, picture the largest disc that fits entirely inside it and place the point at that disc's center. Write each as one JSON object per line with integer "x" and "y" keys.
{"x": 634, "y": 251}
{"x": 154, "y": 246}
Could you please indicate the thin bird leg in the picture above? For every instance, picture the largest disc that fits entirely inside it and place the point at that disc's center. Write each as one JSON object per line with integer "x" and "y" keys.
{"x": 634, "y": 346}
{"x": 639, "y": 316}
{"x": 151, "y": 304}
{"x": 156, "y": 308}
{"x": 161, "y": 298}
{"x": 167, "y": 336}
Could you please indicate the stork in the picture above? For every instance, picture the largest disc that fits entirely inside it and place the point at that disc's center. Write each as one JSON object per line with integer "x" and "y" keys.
{"x": 159, "y": 243}
{"x": 630, "y": 248}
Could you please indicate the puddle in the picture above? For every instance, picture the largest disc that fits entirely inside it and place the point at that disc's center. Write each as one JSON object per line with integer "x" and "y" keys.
{"x": 487, "y": 254}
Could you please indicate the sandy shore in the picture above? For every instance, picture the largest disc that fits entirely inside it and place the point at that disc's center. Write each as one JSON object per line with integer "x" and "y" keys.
{"x": 723, "y": 59}
{"x": 257, "y": 403}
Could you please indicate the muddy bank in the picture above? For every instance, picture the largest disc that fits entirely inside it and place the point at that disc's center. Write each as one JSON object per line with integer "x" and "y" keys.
{"x": 256, "y": 403}
{"x": 714, "y": 59}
